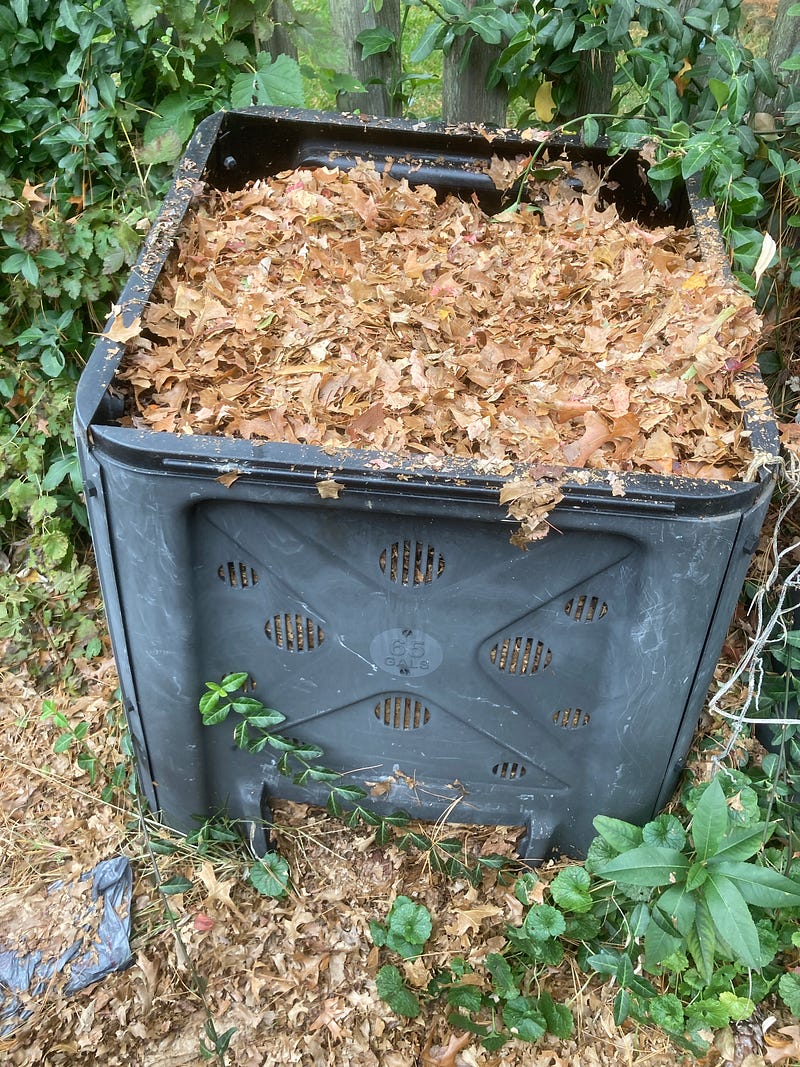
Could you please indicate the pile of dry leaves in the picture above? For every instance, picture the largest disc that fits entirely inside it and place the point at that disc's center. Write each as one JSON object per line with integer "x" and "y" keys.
{"x": 349, "y": 309}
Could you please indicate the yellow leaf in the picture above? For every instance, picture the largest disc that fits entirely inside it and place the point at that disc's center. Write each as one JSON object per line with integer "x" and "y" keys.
{"x": 329, "y": 489}
{"x": 543, "y": 102}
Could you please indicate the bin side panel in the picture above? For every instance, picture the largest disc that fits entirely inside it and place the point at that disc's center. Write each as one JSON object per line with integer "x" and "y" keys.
{"x": 433, "y": 661}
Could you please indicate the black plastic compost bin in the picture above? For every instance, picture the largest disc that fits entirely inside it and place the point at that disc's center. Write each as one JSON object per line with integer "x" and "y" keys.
{"x": 396, "y": 626}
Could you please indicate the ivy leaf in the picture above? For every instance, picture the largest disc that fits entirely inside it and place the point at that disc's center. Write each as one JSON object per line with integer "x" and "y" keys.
{"x": 393, "y": 991}
{"x": 270, "y": 875}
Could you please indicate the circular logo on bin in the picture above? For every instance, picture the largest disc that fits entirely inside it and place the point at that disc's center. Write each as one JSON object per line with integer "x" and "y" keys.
{"x": 406, "y": 653}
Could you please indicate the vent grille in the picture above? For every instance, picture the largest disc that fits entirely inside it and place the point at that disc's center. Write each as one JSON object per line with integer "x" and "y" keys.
{"x": 585, "y": 608}
{"x": 411, "y": 563}
{"x": 402, "y": 713}
{"x": 520, "y": 655}
{"x": 294, "y": 633}
{"x": 509, "y": 771}
{"x": 571, "y": 718}
{"x": 237, "y": 574}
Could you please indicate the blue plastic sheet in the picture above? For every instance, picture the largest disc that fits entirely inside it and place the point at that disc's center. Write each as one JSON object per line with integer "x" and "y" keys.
{"x": 107, "y": 913}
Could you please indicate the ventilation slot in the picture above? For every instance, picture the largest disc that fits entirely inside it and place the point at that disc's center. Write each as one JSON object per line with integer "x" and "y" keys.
{"x": 509, "y": 771}
{"x": 520, "y": 655}
{"x": 585, "y": 608}
{"x": 294, "y": 633}
{"x": 571, "y": 718}
{"x": 411, "y": 563}
{"x": 238, "y": 575}
{"x": 402, "y": 713}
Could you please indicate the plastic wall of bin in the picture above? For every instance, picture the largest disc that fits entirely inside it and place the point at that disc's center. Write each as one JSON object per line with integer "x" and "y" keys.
{"x": 396, "y": 626}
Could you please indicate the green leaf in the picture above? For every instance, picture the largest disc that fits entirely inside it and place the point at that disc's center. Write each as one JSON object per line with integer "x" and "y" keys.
{"x": 666, "y": 1011}
{"x": 176, "y": 884}
{"x": 464, "y": 996}
{"x": 544, "y": 921}
{"x": 695, "y": 876}
{"x": 167, "y": 131}
{"x": 231, "y": 682}
{"x": 523, "y": 1018}
{"x": 409, "y": 921}
{"x": 503, "y": 984}
{"x": 270, "y": 875}
{"x": 557, "y": 1016}
{"x": 742, "y": 842}
{"x": 732, "y": 919}
{"x": 570, "y": 890}
{"x": 729, "y": 53}
{"x": 524, "y": 887}
{"x": 376, "y": 41}
{"x": 278, "y": 82}
{"x": 141, "y": 12}
{"x": 701, "y": 941}
{"x": 738, "y": 1008}
{"x": 212, "y": 710}
{"x": 664, "y": 830}
{"x": 618, "y": 19}
{"x": 431, "y": 39}
{"x": 622, "y": 1006}
{"x": 789, "y": 989}
{"x": 719, "y": 90}
{"x": 620, "y": 835}
{"x": 760, "y": 885}
{"x": 62, "y": 742}
{"x": 710, "y": 821}
{"x": 647, "y": 865}
{"x": 392, "y": 991}
{"x": 660, "y": 940}
{"x": 792, "y": 63}
{"x": 591, "y": 131}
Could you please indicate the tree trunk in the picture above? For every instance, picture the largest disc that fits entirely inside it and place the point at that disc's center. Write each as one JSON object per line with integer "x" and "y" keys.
{"x": 783, "y": 41}
{"x": 465, "y": 97}
{"x": 595, "y": 74}
{"x": 280, "y": 43}
{"x": 349, "y": 19}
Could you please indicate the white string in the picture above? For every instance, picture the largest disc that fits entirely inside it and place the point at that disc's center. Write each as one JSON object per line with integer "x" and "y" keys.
{"x": 773, "y": 630}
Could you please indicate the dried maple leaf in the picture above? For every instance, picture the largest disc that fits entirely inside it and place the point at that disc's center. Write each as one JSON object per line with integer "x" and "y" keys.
{"x": 119, "y": 330}
{"x": 445, "y": 1055}
{"x": 777, "y": 1050}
